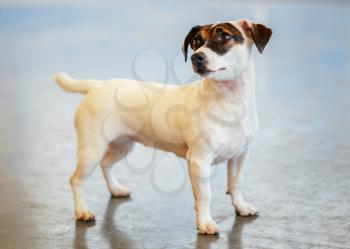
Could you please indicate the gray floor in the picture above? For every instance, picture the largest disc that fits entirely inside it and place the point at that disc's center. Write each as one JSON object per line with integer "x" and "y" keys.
{"x": 299, "y": 172}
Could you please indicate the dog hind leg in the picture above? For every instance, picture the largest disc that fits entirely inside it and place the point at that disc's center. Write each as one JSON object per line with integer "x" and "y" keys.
{"x": 115, "y": 152}
{"x": 90, "y": 150}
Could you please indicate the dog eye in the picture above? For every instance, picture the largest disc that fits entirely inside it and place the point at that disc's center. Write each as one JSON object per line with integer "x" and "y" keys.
{"x": 226, "y": 37}
{"x": 197, "y": 42}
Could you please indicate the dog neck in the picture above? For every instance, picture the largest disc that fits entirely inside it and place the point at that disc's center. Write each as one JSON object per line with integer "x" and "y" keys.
{"x": 242, "y": 86}
{"x": 226, "y": 98}
{"x": 227, "y": 87}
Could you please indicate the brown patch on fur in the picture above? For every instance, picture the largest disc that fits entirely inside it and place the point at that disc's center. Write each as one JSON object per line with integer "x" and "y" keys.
{"x": 218, "y": 44}
{"x": 232, "y": 30}
{"x": 212, "y": 35}
{"x": 247, "y": 29}
{"x": 201, "y": 37}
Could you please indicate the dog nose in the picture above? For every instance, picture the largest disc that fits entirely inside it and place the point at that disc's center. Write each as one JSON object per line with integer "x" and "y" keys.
{"x": 198, "y": 58}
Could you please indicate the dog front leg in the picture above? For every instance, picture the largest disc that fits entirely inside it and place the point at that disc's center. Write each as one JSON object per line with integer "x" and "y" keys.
{"x": 234, "y": 185}
{"x": 199, "y": 172}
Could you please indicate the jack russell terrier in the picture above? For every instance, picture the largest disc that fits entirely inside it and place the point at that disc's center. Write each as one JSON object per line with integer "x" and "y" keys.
{"x": 205, "y": 122}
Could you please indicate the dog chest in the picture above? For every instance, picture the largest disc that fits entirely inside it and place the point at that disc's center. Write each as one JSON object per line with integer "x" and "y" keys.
{"x": 226, "y": 142}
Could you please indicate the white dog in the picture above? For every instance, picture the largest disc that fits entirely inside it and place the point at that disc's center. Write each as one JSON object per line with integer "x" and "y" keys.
{"x": 206, "y": 122}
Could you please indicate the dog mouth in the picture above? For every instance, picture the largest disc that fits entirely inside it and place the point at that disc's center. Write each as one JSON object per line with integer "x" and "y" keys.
{"x": 203, "y": 71}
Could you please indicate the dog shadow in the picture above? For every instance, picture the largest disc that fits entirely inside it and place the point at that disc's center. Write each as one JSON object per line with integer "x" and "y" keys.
{"x": 234, "y": 236}
{"x": 114, "y": 235}
{"x": 205, "y": 241}
{"x": 80, "y": 234}
{"x": 109, "y": 230}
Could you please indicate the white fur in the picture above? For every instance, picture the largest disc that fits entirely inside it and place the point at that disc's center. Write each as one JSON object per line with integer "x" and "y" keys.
{"x": 206, "y": 122}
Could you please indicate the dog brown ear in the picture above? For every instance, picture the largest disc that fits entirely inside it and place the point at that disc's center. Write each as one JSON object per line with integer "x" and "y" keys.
{"x": 261, "y": 36}
{"x": 189, "y": 39}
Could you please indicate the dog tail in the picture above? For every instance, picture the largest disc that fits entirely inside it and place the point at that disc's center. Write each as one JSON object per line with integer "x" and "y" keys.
{"x": 68, "y": 84}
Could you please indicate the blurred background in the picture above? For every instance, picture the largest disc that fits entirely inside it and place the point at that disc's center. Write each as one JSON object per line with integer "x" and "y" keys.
{"x": 298, "y": 175}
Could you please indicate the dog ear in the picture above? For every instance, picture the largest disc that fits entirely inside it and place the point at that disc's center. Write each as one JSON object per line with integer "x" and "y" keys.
{"x": 189, "y": 39}
{"x": 259, "y": 33}
{"x": 261, "y": 36}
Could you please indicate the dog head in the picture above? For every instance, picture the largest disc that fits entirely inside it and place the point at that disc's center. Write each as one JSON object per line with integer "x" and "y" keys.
{"x": 222, "y": 51}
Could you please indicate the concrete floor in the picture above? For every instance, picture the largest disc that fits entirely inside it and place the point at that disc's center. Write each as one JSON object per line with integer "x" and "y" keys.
{"x": 299, "y": 172}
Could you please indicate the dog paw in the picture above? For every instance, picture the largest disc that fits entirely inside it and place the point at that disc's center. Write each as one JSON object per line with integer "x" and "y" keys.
{"x": 208, "y": 227}
{"x": 120, "y": 191}
{"x": 85, "y": 215}
{"x": 245, "y": 209}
